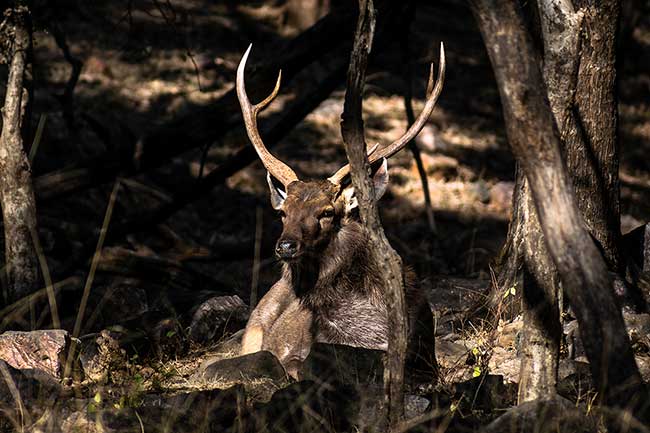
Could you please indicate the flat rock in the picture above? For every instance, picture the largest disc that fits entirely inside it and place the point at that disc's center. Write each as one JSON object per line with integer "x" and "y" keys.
{"x": 214, "y": 317}
{"x": 256, "y": 365}
{"x": 345, "y": 364}
{"x": 43, "y": 350}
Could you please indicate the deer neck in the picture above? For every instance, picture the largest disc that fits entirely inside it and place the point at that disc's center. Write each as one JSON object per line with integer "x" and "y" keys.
{"x": 342, "y": 261}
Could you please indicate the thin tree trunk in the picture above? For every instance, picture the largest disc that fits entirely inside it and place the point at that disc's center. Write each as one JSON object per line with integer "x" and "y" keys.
{"x": 16, "y": 192}
{"x": 535, "y": 141}
{"x": 355, "y": 148}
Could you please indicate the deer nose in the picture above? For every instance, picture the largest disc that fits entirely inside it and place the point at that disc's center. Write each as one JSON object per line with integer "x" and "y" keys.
{"x": 286, "y": 248}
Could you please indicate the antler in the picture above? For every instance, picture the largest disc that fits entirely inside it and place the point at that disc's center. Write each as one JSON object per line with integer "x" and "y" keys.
{"x": 414, "y": 130}
{"x": 277, "y": 168}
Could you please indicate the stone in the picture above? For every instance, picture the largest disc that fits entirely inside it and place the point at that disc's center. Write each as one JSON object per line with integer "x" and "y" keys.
{"x": 505, "y": 362}
{"x": 451, "y": 355}
{"x": 104, "y": 357}
{"x": 43, "y": 350}
{"x": 638, "y": 328}
{"x": 574, "y": 379}
{"x": 256, "y": 365}
{"x": 415, "y": 405}
{"x": 346, "y": 364}
{"x": 216, "y": 316}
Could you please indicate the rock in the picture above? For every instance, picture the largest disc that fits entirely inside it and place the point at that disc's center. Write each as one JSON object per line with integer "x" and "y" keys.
{"x": 485, "y": 392}
{"x": 505, "y": 363}
{"x": 451, "y": 355}
{"x": 552, "y": 416}
{"x": 44, "y": 350}
{"x": 415, "y": 405}
{"x": 256, "y": 365}
{"x": 345, "y": 364}
{"x": 104, "y": 357}
{"x": 574, "y": 379}
{"x": 307, "y": 406}
{"x": 216, "y": 316}
{"x": 638, "y": 328}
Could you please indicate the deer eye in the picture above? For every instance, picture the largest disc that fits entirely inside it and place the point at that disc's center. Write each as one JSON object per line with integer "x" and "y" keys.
{"x": 327, "y": 213}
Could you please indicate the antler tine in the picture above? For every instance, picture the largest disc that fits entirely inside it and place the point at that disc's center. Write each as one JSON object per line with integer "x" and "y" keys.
{"x": 277, "y": 168}
{"x": 414, "y": 130}
{"x": 419, "y": 123}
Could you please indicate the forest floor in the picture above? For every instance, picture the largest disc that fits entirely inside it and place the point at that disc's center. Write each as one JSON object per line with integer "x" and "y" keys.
{"x": 142, "y": 70}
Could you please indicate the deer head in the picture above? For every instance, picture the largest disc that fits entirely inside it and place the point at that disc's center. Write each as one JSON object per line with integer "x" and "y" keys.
{"x": 313, "y": 211}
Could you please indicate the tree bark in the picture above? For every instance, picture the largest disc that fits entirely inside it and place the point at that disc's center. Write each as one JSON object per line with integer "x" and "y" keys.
{"x": 535, "y": 141}
{"x": 592, "y": 146}
{"x": 16, "y": 192}
{"x": 542, "y": 331}
{"x": 355, "y": 147}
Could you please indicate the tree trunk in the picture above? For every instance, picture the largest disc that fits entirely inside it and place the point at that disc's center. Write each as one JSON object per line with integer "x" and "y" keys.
{"x": 355, "y": 147}
{"x": 535, "y": 141}
{"x": 542, "y": 331}
{"x": 16, "y": 192}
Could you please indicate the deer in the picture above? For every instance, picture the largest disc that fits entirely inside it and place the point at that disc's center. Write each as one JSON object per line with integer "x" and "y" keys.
{"x": 331, "y": 287}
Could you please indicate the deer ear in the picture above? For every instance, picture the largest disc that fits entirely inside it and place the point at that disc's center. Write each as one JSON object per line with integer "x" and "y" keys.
{"x": 277, "y": 195}
{"x": 380, "y": 181}
{"x": 349, "y": 199}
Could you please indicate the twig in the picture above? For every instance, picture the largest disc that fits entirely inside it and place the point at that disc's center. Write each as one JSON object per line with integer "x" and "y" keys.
{"x": 407, "y": 72}
{"x": 76, "y": 64}
{"x": 37, "y": 138}
{"x": 54, "y": 310}
{"x": 91, "y": 276}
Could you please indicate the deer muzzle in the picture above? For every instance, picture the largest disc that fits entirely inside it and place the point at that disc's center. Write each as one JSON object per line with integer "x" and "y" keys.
{"x": 287, "y": 249}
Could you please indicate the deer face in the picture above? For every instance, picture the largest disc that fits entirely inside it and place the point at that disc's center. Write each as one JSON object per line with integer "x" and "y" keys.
{"x": 312, "y": 211}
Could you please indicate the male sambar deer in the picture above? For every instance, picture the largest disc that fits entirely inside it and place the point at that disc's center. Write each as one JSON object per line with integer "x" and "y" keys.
{"x": 331, "y": 289}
